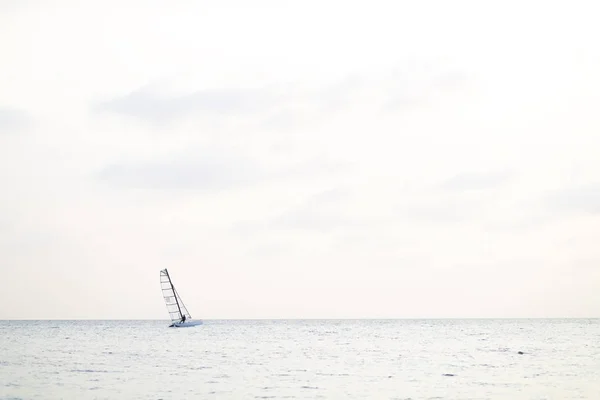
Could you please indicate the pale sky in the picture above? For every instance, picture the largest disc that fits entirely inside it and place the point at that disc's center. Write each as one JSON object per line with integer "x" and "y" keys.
{"x": 300, "y": 159}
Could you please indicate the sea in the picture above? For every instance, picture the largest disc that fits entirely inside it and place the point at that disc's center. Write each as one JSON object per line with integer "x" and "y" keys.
{"x": 302, "y": 359}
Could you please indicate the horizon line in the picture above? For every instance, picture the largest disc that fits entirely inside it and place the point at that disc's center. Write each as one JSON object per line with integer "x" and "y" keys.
{"x": 303, "y": 319}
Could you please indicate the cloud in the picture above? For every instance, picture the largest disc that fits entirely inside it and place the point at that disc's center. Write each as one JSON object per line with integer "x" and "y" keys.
{"x": 450, "y": 80}
{"x": 147, "y": 103}
{"x": 520, "y": 216}
{"x": 460, "y": 198}
{"x": 476, "y": 181}
{"x": 205, "y": 173}
{"x": 417, "y": 84}
{"x": 334, "y": 96}
{"x": 208, "y": 170}
{"x": 584, "y": 199}
{"x": 320, "y": 212}
{"x": 442, "y": 212}
{"x": 279, "y": 105}
{"x": 312, "y": 107}
{"x": 442, "y": 209}
{"x": 14, "y": 5}
{"x": 284, "y": 105}
{"x": 12, "y": 119}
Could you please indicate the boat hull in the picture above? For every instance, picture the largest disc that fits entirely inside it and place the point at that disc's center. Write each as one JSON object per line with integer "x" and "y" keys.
{"x": 185, "y": 324}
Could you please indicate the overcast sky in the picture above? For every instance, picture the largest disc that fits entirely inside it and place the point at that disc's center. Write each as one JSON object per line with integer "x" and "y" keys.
{"x": 300, "y": 159}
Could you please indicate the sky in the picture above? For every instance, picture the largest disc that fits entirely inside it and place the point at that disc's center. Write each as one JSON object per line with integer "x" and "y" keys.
{"x": 299, "y": 159}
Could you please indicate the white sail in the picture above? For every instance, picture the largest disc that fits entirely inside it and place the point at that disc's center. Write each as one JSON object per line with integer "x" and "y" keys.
{"x": 175, "y": 307}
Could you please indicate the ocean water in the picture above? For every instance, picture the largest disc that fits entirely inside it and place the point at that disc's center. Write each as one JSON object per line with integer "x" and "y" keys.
{"x": 301, "y": 359}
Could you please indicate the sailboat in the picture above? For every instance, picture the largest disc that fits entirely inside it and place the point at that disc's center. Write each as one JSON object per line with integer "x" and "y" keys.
{"x": 180, "y": 316}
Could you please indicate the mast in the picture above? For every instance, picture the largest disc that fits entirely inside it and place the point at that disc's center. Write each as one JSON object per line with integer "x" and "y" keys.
{"x": 174, "y": 293}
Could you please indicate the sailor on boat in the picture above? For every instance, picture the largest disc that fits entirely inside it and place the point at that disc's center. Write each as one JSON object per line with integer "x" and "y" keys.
{"x": 183, "y": 318}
